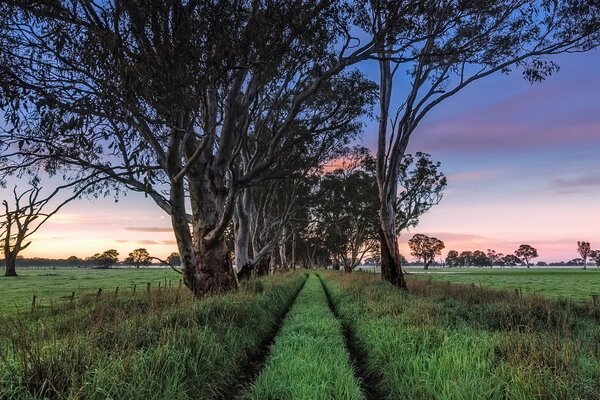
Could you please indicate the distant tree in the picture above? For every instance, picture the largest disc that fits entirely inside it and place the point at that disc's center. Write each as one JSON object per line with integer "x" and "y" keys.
{"x": 595, "y": 255}
{"x": 526, "y": 253}
{"x": 575, "y": 261}
{"x": 174, "y": 259}
{"x": 25, "y": 215}
{"x": 74, "y": 261}
{"x": 138, "y": 257}
{"x": 465, "y": 258}
{"x": 493, "y": 256}
{"x": 480, "y": 259}
{"x": 106, "y": 259}
{"x": 583, "y": 248}
{"x": 541, "y": 264}
{"x": 452, "y": 259}
{"x": 426, "y": 248}
{"x": 511, "y": 260}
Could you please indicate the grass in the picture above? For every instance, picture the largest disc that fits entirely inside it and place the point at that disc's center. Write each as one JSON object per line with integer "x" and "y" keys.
{"x": 158, "y": 346}
{"x": 444, "y": 341}
{"x": 575, "y": 284}
{"x": 308, "y": 359}
{"x": 53, "y": 286}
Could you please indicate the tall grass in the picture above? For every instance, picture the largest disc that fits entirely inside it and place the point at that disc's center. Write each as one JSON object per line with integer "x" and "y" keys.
{"x": 308, "y": 359}
{"x": 162, "y": 346}
{"x": 443, "y": 341}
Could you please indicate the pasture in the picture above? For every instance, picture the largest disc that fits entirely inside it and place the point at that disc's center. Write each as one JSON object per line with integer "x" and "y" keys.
{"x": 54, "y": 286}
{"x": 323, "y": 335}
{"x": 570, "y": 283}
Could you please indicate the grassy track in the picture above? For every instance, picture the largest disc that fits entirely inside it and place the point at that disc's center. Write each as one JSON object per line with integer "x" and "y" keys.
{"x": 163, "y": 346}
{"x": 308, "y": 359}
{"x": 453, "y": 342}
{"x": 52, "y": 285}
{"x": 554, "y": 283}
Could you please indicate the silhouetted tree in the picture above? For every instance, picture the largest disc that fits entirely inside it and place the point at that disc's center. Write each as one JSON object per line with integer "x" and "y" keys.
{"x": 466, "y": 258}
{"x": 425, "y": 247}
{"x": 138, "y": 257}
{"x": 480, "y": 259}
{"x": 452, "y": 259}
{"x": 439, "y": 48}
{"x": 493, "y": 256}
{"x": 583, "y": 248}
{"x": 511, "y": 260}
{"x": 153, "y": 97}
{"x": 595, "y": 255}
{"x": 105, "y": 259}
{"x": 526, "y": 253}
{"x": 26, "y": 214}
{"x": 174, "y": 259}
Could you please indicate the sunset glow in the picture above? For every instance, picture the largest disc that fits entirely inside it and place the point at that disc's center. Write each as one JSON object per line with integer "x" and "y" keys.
{"x": 522, "y": 167}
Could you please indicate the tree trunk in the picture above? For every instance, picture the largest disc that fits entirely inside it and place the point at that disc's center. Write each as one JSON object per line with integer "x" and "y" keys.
{"x": 10, "y": 261}
{"x": 391, "y": 270}
{"x": 282, "y": 250}
{"x": 263, "y": 265}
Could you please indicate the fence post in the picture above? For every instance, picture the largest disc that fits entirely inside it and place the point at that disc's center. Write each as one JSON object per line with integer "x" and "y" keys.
{"x": 99, "y": 292}
{"x": 72, "y": 299}
{"x": 180, "y": 283}
{"x": 33, "y": 303}
{"x": 148, "y": 287}
{"x": 134, "y": 286}
{"x": 117, "y": 291}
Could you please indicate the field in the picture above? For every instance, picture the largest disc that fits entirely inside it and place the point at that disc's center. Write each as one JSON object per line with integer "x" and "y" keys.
{"x": 324, "y": 335}
{"x": 571, "y": 283}
{"x": 55, "y": 285}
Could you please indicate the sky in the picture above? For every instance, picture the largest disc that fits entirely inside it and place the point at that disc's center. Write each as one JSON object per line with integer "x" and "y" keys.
{"x": 522, "y": 161}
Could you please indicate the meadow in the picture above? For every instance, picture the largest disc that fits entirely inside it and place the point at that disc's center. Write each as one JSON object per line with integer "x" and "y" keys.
{"x": 571, "y": 283}
{"x": 306, "y": 335}
{"x": 55, "y": 286}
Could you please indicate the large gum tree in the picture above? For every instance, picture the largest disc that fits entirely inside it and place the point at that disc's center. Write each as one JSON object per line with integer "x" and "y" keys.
{"x": 428, "y": 51}
{"x": 163, "y": 97}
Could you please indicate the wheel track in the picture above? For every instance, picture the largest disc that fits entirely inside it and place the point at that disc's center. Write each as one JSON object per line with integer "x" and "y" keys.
{"x": 368, "y": 380}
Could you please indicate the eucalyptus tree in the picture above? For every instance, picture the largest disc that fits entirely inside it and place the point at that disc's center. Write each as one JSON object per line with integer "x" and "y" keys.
{"x": 428, "y": 51}
{"x": 584, "y": 249}
{"x": 162, "y": 97}
{"x": 425, "y": 248}
{"x": 346, "y": 203}
{"x": 28, "y": 210}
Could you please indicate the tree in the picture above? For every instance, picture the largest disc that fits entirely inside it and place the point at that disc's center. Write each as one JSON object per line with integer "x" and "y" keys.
{"x": 174, "y": 259}
{"x": 511, "y": 260}
{"x": 595, "y": 255}
{"x": 466, "y": 258}
{"x": 480, "y": 259}
{"x": 138, "y": 257}
{"x": 425, "y": 247}
{"x": 153, "y": 97}
{"x": 106, "y": 259}
{"x": 493, "y": 257}
{"x": 526, "y": 253}
{"x": 583, "y": 248}
{"x": 26, "y": 214}
{"x": 452, "y": 259}
{"x": 439, "y": 48}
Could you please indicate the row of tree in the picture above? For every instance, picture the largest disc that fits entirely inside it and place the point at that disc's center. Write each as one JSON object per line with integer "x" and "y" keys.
{"x": 221, "y": 131}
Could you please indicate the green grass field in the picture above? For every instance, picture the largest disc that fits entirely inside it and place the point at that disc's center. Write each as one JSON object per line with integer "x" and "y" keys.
{"x": 574, "y": 284}
{"x": 54, "y": 285}
{"x": 337, "y": 336}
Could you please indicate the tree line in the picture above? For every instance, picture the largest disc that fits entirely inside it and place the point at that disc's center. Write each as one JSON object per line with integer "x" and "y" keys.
{"x": 219, "y": 111}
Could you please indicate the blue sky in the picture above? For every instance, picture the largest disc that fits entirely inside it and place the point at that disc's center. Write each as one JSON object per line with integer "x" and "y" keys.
{"x": 523, "y": 163}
